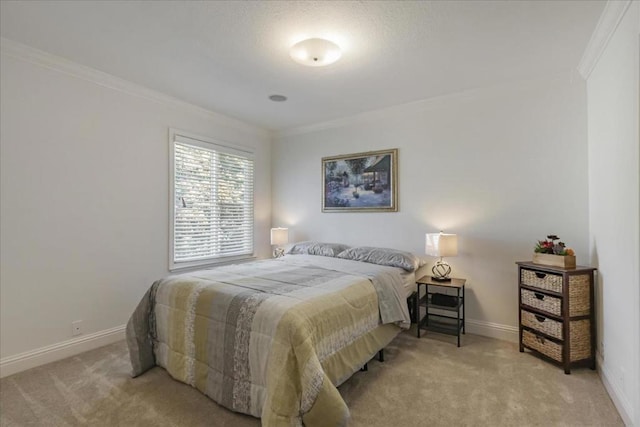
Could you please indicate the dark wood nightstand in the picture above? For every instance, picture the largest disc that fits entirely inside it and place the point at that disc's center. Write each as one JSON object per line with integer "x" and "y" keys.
{"x": 436, "y": 322}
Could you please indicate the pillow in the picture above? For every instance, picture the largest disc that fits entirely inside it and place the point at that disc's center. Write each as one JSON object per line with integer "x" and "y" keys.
{"x": 383, "y": 256}
{"x": 318, "y": 248}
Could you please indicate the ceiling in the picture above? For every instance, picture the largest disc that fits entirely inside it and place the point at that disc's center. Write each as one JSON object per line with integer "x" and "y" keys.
{"x": 229, "y": 56}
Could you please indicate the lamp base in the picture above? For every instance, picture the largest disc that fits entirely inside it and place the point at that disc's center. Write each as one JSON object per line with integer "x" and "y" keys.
{"x": 441, "y": 271}
{"x": 278, "y": 252}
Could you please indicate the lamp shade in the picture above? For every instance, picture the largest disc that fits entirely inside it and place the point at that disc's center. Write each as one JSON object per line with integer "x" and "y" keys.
{"x": 441, "y": 245}
{"x": 279, "y": 236}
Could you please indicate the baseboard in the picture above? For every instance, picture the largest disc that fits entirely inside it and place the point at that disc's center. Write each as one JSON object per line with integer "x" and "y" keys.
{"x": 21, "y": 362}
{"x": 492, "y": 330}
{"x": 617, "y": 396}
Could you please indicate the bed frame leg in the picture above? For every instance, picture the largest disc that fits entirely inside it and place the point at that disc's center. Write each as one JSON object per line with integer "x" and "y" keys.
{"x": 380, "y": 358}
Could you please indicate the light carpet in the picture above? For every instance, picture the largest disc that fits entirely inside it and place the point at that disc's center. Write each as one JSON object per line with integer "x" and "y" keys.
{"x": 423, "y": 382}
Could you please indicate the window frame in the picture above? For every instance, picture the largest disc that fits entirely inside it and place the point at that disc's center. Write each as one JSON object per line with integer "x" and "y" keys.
{"x": 210, "y": 144}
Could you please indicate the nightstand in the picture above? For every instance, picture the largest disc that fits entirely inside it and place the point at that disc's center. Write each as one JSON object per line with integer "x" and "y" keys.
{"x": 440, "y": 322}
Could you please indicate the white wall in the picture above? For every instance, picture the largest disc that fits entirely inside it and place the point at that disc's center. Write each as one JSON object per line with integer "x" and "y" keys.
{"x": 614, "y": 209}
{"x": 501, "y": 167}
{"x": 85, "y": 197}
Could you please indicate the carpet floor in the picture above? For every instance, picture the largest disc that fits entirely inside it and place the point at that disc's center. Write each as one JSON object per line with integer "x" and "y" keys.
{"x": 423, "y": 382}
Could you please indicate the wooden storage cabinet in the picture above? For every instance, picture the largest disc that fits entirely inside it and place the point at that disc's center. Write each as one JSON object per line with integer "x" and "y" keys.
{"x": 556, "y": 314}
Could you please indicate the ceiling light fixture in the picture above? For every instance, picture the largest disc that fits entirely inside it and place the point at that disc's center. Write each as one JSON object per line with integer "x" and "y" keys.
{"x": 315, "y": 52}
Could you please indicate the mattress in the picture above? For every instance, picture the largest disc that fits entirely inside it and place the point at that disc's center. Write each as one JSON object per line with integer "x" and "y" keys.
{"x": 409, "y": 279}
{"x": 408, "y": 282}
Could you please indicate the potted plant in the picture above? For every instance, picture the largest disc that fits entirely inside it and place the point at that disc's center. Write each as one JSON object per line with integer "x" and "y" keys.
{"x": 550, "y": 252}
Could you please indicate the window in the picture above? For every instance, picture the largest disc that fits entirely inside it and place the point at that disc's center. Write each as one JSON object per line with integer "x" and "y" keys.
{"x": 212, "y": 201}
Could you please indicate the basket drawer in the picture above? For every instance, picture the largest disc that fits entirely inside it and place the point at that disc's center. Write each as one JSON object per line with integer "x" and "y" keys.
{"x": 537, "y": 279}
{"x": 540, "y": 323}
{"x": 542, "y": 345}
{"x": 541, "y": 301}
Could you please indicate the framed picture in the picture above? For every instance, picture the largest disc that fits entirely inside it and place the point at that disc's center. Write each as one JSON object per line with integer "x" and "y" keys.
{"x": 361, "y": 182}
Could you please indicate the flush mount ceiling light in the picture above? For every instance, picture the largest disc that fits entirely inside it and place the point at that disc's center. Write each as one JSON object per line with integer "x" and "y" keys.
{"x": 315, "y": 52}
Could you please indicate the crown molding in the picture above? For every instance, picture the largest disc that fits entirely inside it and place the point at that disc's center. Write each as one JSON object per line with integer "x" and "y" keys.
{"x": 434, "y": 101}
{"x": 53, "y": 62}
{"x": 607, "y": 24}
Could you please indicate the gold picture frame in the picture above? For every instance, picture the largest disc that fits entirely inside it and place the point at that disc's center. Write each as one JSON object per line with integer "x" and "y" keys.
{"x": 361, "y": 182}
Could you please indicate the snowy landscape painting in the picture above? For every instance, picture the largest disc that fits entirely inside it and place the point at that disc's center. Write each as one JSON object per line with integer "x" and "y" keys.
{"x": 361, "y": 182}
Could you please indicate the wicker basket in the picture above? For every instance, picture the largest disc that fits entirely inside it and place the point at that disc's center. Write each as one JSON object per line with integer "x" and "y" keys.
{"x": 536, "y": 279}
{"x": 580, "y": 331}
{"x": 579, "y": 349}
{"x": 543, "y": 345}
{"x": 579, "y": 297}
{"x": 541, "y": 301}
{"x": 543, "y": 324}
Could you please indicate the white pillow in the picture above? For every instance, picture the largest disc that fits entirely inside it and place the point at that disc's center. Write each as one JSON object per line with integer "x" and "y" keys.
{"x": 383, "y": 256}
{"x": 318, "y": 248}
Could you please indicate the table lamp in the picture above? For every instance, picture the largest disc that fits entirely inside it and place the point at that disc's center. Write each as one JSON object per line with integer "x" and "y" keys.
{"x": 279, "y": 237}
{"x": 441, "y": 245}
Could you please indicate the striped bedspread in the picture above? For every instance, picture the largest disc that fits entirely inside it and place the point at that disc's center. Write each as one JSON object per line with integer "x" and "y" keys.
{"x": 270, "y": 338}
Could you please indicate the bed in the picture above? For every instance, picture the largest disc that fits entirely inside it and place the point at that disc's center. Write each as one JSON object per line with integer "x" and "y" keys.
{"x": 272, "y": 338}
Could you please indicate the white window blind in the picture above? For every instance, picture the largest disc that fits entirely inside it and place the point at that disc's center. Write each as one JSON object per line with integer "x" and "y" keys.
{"x": 212, "y": 202}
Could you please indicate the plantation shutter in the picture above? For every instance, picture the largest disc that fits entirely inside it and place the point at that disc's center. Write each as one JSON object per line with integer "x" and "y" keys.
{"x": 212, "y": 201}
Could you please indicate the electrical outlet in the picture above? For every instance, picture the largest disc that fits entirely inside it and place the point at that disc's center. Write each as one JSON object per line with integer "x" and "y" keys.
{"x": 76, "y": 327}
